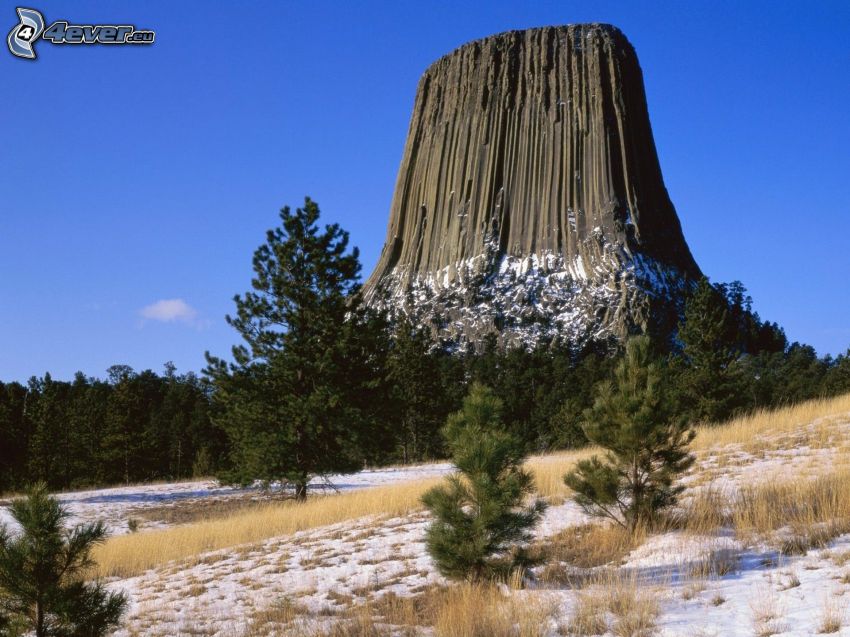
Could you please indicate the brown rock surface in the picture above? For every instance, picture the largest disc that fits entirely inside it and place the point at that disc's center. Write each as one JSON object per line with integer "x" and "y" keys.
{"x": 530, "y": 200}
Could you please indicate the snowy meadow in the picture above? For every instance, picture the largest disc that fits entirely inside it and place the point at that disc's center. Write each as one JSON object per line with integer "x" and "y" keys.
{"x": 759, "y": 545}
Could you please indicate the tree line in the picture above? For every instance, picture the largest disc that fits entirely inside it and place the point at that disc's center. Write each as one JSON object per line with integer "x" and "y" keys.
{"x": 322, "y": 383}
{"x": 131, "y": 427}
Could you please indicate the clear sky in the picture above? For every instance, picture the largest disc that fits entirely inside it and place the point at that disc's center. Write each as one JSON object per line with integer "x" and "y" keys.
{"x": 135, "y": 182}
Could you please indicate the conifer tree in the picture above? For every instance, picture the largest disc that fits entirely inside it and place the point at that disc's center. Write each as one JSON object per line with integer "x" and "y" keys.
{"x": 837, "y": 380}
{"x": 42, "y": 571}
{"x": 292, "y": 402}
{"x": 121, "y": 445}
{"x": 709, "y": 347}
{"x": 15, "y": 433}
{"x": 417, "y": 400}
{"x": 646, "y": 447}
{"x": 480, "y": 520}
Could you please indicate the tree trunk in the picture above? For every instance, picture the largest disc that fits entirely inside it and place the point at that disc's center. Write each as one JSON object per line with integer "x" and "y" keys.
{"x": 39, "y": 620}
{"x": 126, "y": 463}
{"x": 301, "y": 490}
{"x": 637, "y": 497}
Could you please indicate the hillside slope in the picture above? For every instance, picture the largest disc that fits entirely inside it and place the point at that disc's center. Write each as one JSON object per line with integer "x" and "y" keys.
{"x": 761, "y": 545}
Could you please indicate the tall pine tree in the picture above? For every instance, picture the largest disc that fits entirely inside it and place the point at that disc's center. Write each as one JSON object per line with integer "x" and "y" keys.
{"x": 416, "y": 392}
{"x": 709, "y": 350}
{"x": 292, "y": 399}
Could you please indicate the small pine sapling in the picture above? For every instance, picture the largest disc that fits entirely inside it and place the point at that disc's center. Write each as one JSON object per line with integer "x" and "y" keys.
{"x": 43, "y": 570}
{"x": 480, "y": 518}
{"x": 646, "y": 447}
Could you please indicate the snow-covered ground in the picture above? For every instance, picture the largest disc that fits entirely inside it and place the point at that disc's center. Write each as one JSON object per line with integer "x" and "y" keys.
{"x": 116, "y": 505}
{"x": 325, "y": 569}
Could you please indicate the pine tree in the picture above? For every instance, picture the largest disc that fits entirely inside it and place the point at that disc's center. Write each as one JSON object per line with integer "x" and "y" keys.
{"x": 479, "y": 518}
{"x": 837, "y": 380}
{"x": 85, "y": 420}
{"x": 709, "y": 347}
{"x": 417, "y": 400}
{"x": 802, "y": 373}
{"x": 121, "y": 445}
{"x": 646, "y": 447}
{"x": 292, "y": 402}
{"x": 14, "y": 435}
{"x": 42, "y": 572}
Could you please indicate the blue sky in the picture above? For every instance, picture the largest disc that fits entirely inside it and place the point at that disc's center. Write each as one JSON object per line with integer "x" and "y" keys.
{"x": 135, "y": 182}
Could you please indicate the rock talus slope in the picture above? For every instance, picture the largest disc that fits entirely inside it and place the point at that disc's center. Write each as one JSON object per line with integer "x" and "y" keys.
{"x": 530, "y": 202}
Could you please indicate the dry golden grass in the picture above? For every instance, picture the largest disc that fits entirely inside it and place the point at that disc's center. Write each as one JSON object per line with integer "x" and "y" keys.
{"x": 716, "y": 564}
{"x": 459, "y": 611}
{"x": 196, "y": 509}
{"x": 765, "y": 428}
{"x": 297, "y": 621}
{"x": 633, "y": 605}
{"x": 615, "y": 603}
{"x": 484, "y": 611}
{"x": 766, "y": 613}
{"x": 808, "y": 513}
{"x": 589, "y": 616}
{"x": 549, "y": 470}
{"x": 128, "y": 555}
{"x": 591, "y": 545}
{"x": 794, "y": 514}
{"x": 832, "y": 615}
{"x": 283, "y": 614}
{"x": 409, "y": 610}
{"x": 704, "y": 512}
{"x": 358, "y": 625}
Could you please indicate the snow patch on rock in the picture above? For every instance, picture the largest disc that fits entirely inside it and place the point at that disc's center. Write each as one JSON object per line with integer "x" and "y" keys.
{"x": 535, "y": 299}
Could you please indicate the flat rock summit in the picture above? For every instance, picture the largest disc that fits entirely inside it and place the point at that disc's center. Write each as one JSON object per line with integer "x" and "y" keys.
{"x": 529, "y": 203}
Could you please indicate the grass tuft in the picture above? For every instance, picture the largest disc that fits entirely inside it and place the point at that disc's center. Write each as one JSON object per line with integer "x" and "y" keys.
{"x": 832, "y": 616}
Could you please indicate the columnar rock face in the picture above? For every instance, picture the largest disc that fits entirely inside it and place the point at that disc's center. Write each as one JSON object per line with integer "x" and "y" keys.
{"x": 530, "y": 202}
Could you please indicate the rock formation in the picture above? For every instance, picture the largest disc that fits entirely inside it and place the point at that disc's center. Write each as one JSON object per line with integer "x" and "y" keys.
{"x": 530, "y": 202}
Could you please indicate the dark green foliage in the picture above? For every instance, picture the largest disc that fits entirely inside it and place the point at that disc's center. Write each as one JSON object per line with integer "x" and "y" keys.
{"x": 723, "y": 345}
{"x": 543, "y": 390}
{"x": 837, "y": 378}
{"x": 396, "y": 387}
{"x": 418, "y": 400}
{"x": 578, "y": 383}
{"x": 803, "y": 373}
{"x": 88, "y": 432}
{"x": 731, "y": 362}
{"x": 48, "y": 443}
{"x": 367, "y": 344}
{"x": 646, "y": 446}
{"x": 745, "y": 331}
{"x": 479, "y": 517}
{"x": 298, "y": 398}
{"x": 15, "y": 433}
{"x": 42, "y": 571}
{"x": 709, "y": 348}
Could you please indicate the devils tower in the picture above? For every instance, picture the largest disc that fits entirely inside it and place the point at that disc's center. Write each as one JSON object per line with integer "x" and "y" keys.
{"x": 530, "y": 202}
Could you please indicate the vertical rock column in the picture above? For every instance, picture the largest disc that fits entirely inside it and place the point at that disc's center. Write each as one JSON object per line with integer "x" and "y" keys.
{"x": 531, "y": 143}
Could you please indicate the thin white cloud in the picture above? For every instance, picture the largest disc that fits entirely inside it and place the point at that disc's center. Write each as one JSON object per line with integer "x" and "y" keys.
{"x": 170, "y": 311}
